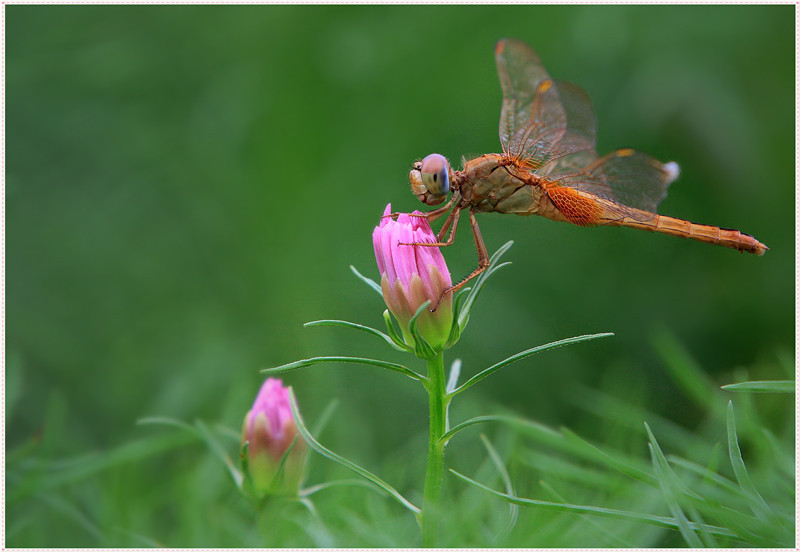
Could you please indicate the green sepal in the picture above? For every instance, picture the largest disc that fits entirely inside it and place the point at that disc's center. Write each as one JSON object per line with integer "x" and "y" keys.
{"x": 422, "y": 348}
{"x": 276, "y": 484}
{"x": 369, "y": 281}
{"x": 387, "y": 318}
{"x": 244, "y": 461}
{"x": 455, "y": 329}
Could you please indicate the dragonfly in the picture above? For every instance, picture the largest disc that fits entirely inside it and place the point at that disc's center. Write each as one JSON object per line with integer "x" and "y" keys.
{"x": 549, "y": 167}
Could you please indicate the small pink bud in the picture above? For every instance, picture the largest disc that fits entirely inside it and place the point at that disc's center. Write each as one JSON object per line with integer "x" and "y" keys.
{"x": 412, "y": 274}
{"x": 270, "y": 430}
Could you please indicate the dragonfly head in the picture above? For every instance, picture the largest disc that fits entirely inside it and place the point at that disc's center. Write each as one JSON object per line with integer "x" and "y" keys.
{"x": 430, "y": 179}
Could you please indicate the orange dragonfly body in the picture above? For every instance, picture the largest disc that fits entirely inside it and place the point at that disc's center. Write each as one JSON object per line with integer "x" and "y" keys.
{"x": 549, "y": 167}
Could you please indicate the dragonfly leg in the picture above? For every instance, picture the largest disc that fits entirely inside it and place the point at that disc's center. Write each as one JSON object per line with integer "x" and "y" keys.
{"x": 452, "y": 223}
{"x": 452, "y": 219}
{"x": 431, "y": 215}
{"x": 483, "y": 259}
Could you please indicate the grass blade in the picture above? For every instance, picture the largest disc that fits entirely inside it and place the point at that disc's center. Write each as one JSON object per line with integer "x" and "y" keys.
{"x": 325, "y": 417}
{"x": 779, "y": 386}
{"x": 670, "y": 491}
{"x": 513, "y": 512}
{"x": 757, "y": 503}
{"x": 353, "y": 360}
{"x": 707, "y": 474}
{"x": 589, "y": 451}
{"x": 301, "y": 427}
{"x": 594, "y": 510}
{"x": 338, "y": 483}
{"x": 519, "y": 356}
{"x": 608, "y": 534}
{"x": 219, "y": 452}
{"x": 565, "y": 441}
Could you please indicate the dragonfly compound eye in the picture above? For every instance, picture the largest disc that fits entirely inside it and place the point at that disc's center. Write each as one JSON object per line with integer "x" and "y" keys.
{"x": 436, "y": 174}
{"x": 420, "y": 188}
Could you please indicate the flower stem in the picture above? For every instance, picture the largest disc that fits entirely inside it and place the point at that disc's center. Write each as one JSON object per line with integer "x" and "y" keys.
{"x": 435, "y": 386}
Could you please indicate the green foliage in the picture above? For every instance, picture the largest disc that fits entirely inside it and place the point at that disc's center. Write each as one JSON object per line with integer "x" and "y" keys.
{"x": 705, "y": 506}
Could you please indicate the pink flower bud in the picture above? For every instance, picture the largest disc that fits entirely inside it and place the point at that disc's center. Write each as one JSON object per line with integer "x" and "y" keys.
{"x": 270, "y": 430}
{"x": 411, "y": 275}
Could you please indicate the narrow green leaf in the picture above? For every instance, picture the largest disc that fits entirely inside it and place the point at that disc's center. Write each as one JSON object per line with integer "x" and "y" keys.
{"x": 519, "y": 356}
{"x": 589, "y": 451}
{"x": 593, "y": 510}
{"x": 778, "y": 456}
{"x": 621, "y": 411}
{"x": 340, "y": 483}
{"x": 369, "y": 281}
{"x": 346, "y": 324}
{"x": 778, "y": 386}
{"x": 757, "y": 503}
{"x": 301, "y": 427}
{"x": 477, "y": 420}
{"x": 708, "y": 474}
{"x": 352, "y": 360}
{"x": 173, "y": 422}
{"x": 466, "y": 309}
{"x": 669, "y": 491}
{"x": 513, "y": 512}
{"x": 325, "y": 417}
{"x": 233, "y": 435}
{"x": 611, "y": 536}
{"x": 89, "y": 465}
{"x": 565, "y": 441}
{"x": 674, "y": 481}
{"x": 219, "y": 452}
{"x": 72, "y": 512}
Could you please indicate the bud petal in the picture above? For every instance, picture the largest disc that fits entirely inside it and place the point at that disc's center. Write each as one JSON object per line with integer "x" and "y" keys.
{"x": 411, "y": 275}
{"x": 271, "y": 434}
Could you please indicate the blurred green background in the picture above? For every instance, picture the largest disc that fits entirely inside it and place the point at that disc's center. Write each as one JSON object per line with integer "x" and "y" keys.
{"x": 186, "y": 186}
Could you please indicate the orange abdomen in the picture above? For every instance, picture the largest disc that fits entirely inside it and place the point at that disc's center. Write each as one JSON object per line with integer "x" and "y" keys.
{"x": 585, "y": 209}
